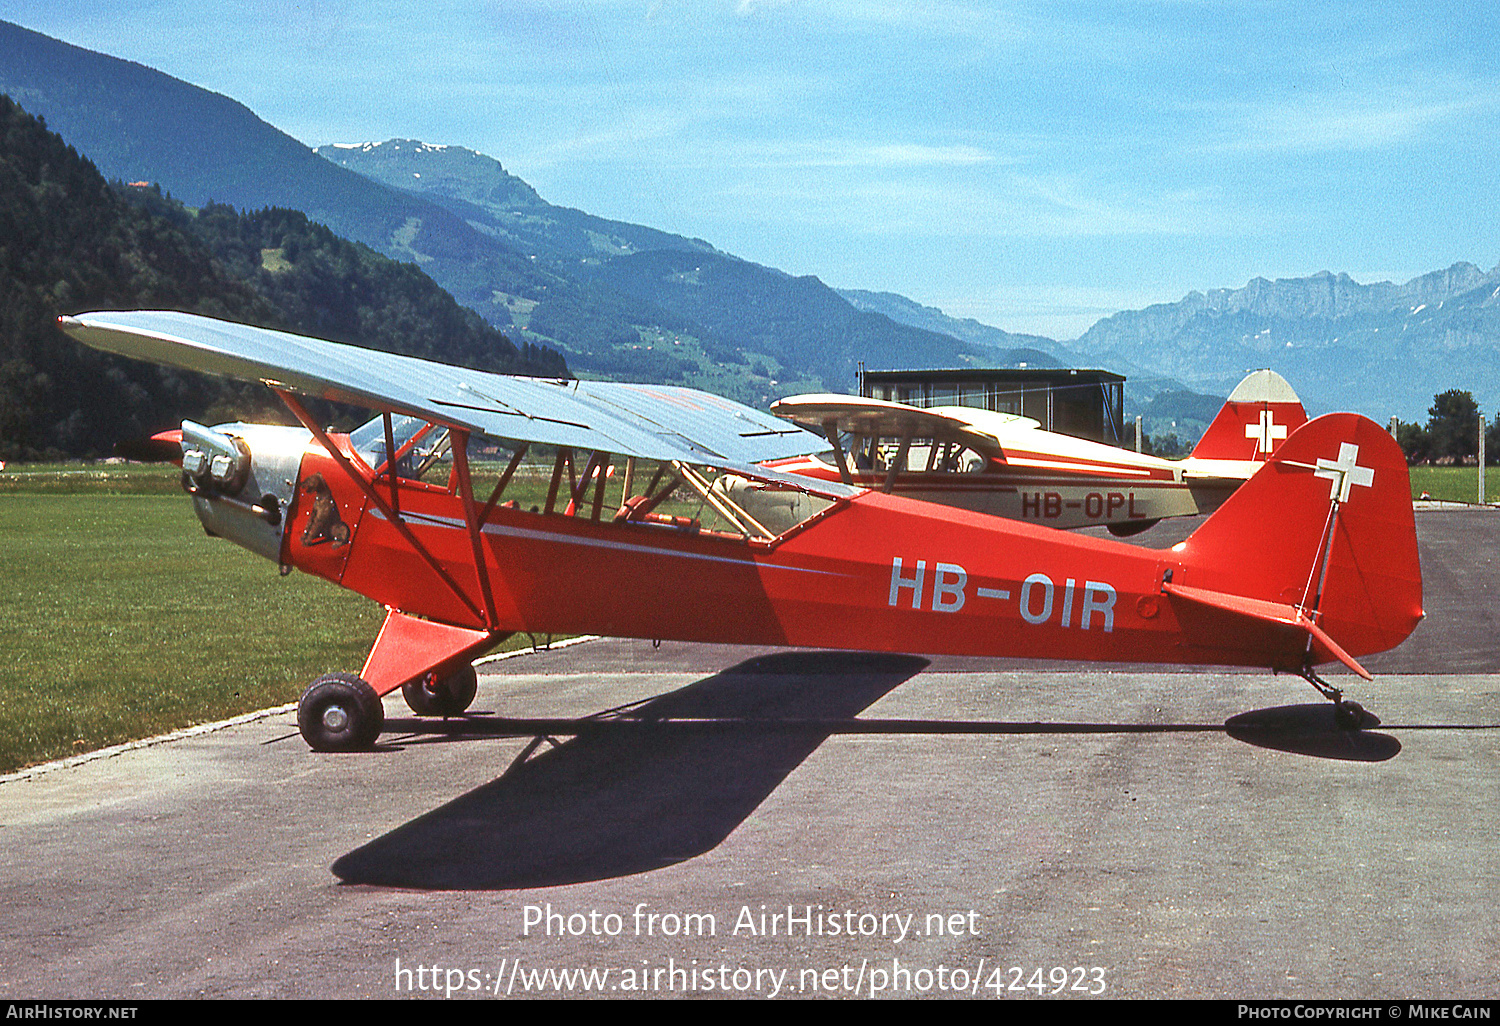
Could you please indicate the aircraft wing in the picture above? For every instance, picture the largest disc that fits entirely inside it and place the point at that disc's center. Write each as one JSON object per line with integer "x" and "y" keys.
{"x": 657, "y": 422}
{"x": 861, "y": 416}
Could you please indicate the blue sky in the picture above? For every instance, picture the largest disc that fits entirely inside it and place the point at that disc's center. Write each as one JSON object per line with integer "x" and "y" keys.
{"x": 1035, "y": 166}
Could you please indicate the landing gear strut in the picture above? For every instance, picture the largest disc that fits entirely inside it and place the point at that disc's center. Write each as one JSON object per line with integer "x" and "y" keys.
{"x": 1346, "y": 715}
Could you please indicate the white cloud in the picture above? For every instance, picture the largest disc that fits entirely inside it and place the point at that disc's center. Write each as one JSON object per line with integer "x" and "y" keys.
{"x": 1343, "y": 120}
{"x": 747, "y": 7}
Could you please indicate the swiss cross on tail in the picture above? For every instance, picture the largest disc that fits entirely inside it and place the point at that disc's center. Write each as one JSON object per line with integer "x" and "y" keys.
{"x": 1266, "y": 433}
{"x": 1345, "y": 472}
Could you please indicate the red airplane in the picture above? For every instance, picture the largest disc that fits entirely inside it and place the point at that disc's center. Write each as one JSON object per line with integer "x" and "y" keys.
{"x": 651, "y": 522}
{"x": 1006, "y": 465}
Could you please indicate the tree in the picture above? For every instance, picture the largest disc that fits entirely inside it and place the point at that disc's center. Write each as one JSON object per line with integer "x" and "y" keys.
{"x": 1415, "y": 442}
{"x": 1168, "y": 447}
{"x": 1452, "y": 425}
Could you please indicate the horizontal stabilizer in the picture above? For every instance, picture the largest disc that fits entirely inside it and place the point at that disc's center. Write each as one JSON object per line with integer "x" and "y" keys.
{"x": 1274, "y": 613}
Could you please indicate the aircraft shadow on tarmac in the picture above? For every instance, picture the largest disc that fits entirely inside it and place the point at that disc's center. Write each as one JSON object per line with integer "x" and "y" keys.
{"x": 661, "y": 782}
{"x": 610, "y": 803}
{"x": 1311, "y": 730}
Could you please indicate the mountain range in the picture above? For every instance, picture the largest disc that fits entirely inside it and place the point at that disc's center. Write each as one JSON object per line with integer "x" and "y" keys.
{"x": 1384, "y": 349}
{"x": 625, "y": 300}
{"x": 614, "y": 299}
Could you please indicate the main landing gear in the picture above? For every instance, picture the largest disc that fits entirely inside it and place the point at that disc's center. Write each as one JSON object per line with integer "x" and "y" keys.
{"x": 1346, "y": 715}
{"x": 431, "y": 695}
{"x": 340, "y": 712}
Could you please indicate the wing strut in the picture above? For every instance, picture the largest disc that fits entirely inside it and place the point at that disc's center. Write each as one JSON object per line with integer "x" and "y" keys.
{"x": 831, "y": 432}
{"x": 459, "y": 445}
{"x": 300, "y": 412}
{"x": 899, "y": 464}
{"x": 515, "y": 461}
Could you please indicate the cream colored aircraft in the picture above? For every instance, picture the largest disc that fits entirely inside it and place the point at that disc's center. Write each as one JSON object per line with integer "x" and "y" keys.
{"x": 1006, "y": 465}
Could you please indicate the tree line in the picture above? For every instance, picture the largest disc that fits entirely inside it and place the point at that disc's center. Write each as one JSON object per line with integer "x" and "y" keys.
{"x": 1451, "y": 434}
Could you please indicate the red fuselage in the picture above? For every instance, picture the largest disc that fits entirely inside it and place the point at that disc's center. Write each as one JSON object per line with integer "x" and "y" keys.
{"x": 872, "y": 572}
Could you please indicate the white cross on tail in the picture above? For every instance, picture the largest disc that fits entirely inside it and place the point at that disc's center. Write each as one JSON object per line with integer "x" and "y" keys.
{"x": 1266, "y": 432}
{"x": 1345, "y": 472}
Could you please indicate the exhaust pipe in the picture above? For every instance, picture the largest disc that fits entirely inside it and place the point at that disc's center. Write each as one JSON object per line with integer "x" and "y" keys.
{"x": 212, "y": 456}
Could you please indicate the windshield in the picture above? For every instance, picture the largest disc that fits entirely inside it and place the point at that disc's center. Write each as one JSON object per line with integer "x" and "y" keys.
{"x": 742, "y": 502}
{"x": 429, "y": 451}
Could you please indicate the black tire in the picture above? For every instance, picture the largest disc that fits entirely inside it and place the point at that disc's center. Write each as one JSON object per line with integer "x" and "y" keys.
{"x": 446, "y": 696}
{"x": 1349, "y": 715}
{"x": 339, "y": 712}
{"x": 1129, "y": 528}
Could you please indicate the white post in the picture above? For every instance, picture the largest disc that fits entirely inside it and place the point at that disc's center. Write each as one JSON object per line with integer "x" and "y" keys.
{"x": 1481, "y": 459}
{"x": 1137, "y": 432}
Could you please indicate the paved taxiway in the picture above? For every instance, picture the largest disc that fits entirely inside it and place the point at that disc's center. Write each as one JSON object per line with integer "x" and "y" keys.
{"x": 975, "y": 833}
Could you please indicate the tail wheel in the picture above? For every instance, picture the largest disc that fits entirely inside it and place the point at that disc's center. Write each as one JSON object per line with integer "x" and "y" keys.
{"x": 1349, "y": 715}
{"x": 431, "y": 695}
{"x": 340, "y": 712}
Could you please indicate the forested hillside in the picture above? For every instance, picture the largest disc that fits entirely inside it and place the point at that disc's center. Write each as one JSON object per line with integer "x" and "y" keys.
{"x": 324, "y": 285}
{"x": 69, "y": 241}
{"x": 646, "y": 304}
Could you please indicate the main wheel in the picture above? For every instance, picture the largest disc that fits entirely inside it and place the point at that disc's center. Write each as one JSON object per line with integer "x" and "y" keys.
{"x": 340, "y": 712}
{"x": 1125, "y": 529}
{"x": 430, "y": 695}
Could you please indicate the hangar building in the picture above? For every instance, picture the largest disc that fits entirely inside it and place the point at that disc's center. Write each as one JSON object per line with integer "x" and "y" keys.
{"x": 1084, "y": 403}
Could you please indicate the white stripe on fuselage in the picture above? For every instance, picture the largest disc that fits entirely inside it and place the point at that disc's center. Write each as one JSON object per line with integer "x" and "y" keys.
{"x": 530, "y": 534}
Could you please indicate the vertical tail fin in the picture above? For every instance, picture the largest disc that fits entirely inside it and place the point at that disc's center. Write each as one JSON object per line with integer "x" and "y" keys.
{"x": 1261, "y": 412}
{"x": 1321, "y": 542}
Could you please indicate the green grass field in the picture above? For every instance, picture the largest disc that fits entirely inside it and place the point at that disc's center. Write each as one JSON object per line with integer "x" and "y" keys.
{"x": 90, "y": 479}
{"x": 1455, "y": 484}
{"x": 122, "y": 620}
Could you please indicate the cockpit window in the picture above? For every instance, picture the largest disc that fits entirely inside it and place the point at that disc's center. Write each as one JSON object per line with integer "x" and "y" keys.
{"x": 923, "y": 455}
{"x": 757, "y": 502}
{"x": 427, "y": 458}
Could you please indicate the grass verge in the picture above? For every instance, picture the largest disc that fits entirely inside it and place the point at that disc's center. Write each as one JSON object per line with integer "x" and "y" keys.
{"x": 122, "y": 620}
{"x": 1455, "y": 484}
